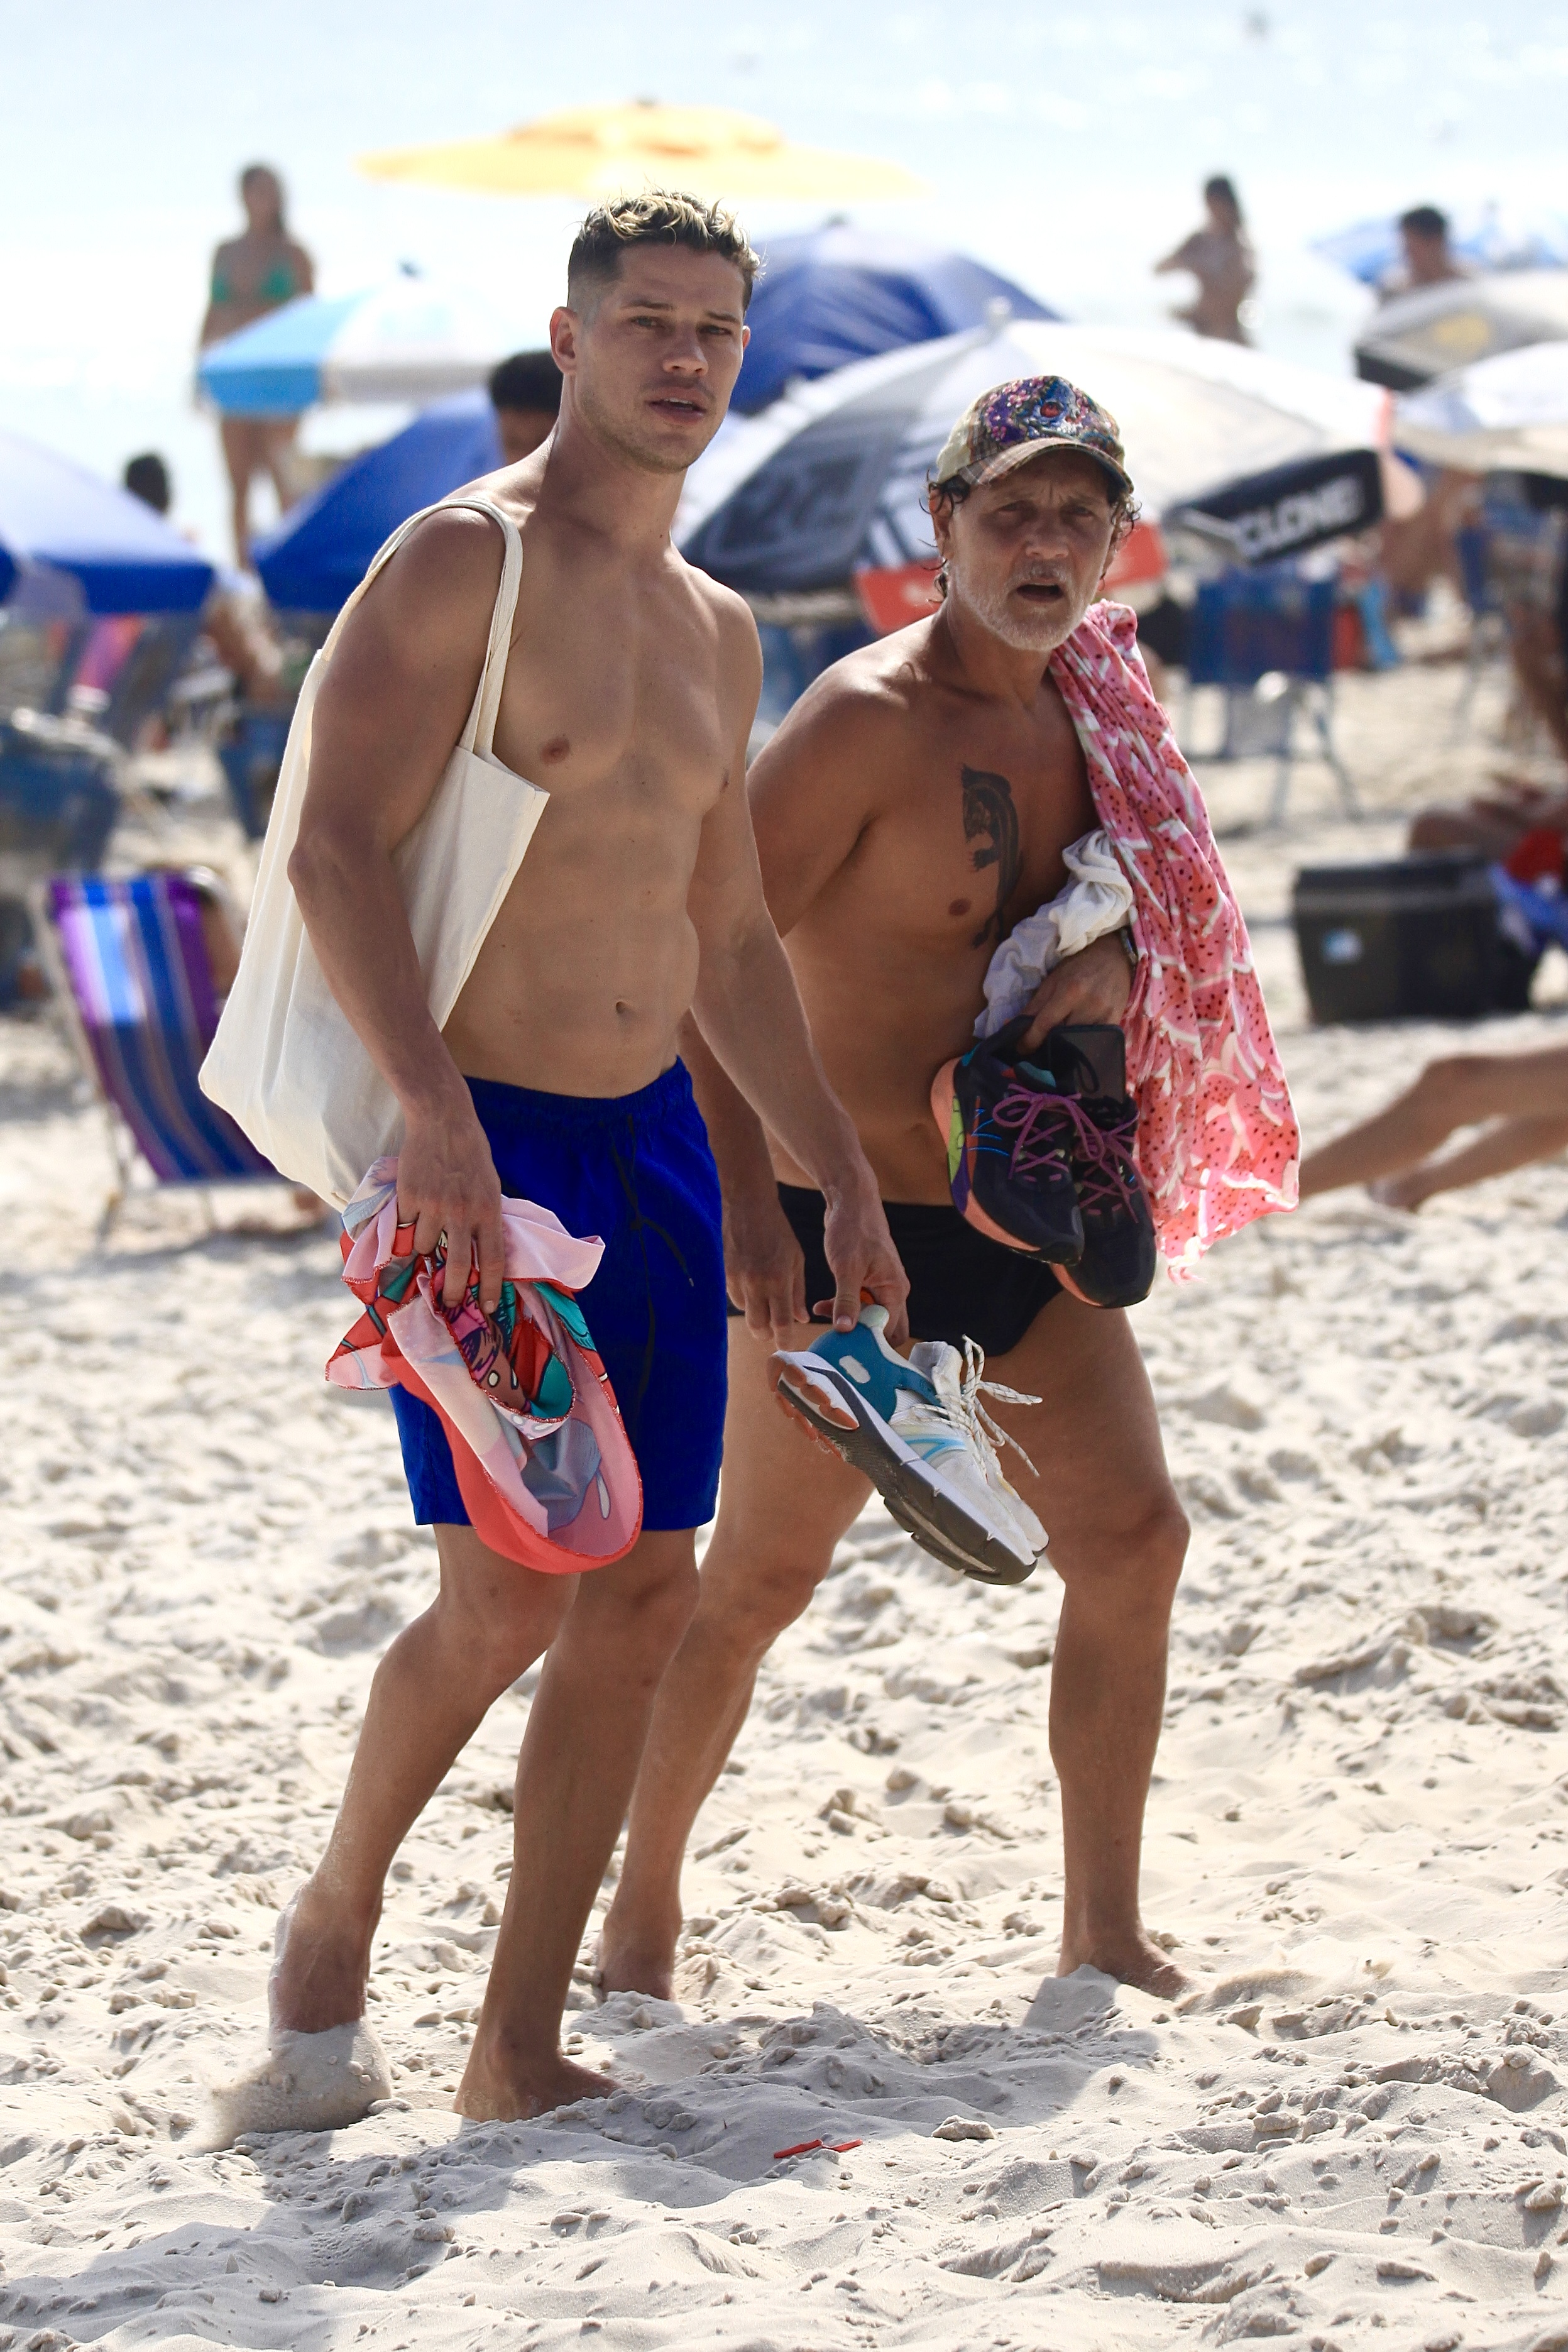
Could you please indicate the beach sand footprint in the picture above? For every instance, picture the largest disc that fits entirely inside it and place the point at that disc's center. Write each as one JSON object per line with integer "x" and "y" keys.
{"x": 305, "y": 2082}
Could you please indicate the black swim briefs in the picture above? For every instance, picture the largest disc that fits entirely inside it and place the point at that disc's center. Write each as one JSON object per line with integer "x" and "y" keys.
{"x": 961, "y": 1281}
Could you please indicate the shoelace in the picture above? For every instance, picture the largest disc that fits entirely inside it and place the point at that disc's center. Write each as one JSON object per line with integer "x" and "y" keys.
{"x": 1032, "y": 1112}
{"x": 1106, "y": 1178}
{"x": 984, "y": 1434}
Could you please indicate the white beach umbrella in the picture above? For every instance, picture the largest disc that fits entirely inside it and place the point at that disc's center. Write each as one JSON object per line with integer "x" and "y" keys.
{"x": 1508, "y": 413}
{"x": 1434, "y": 329}
{"x": 832, "y": 478}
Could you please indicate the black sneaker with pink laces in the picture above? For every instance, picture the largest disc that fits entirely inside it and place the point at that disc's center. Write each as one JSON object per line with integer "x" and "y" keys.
{"x": 1087, "y": 1062}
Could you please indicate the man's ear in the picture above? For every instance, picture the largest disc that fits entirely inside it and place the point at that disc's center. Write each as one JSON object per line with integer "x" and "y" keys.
{"x": 565, "y": 327}
{"x": 941, "y": 513}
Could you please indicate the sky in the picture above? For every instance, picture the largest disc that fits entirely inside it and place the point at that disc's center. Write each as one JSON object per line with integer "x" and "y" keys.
{"x": 1064, "y": 146}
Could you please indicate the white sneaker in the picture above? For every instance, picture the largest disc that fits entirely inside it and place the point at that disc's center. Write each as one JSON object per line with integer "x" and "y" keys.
{"x": 918, "y": 1431}
{"x": 959, "y": 1381}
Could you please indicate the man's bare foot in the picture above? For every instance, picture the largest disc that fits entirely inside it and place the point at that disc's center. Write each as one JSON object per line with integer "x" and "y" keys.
{"x": 1405, "y": 1190}
{"x": 503, "y": 2086}
{"x": 318, "y": 1979}
{"x": 1134, "y": 1959}
{"x": 637, "y": 1958}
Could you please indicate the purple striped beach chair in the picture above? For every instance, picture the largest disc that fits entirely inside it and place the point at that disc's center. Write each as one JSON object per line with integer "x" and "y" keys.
{"x": 129, "y": 961}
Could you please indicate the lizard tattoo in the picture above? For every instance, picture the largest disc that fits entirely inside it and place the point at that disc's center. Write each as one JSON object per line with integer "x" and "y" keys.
{"x": 990, "y": 819}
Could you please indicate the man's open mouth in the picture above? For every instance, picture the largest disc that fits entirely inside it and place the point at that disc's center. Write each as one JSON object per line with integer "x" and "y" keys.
{"x": 677, "y": 404}
{"x": 1040, "y": 591}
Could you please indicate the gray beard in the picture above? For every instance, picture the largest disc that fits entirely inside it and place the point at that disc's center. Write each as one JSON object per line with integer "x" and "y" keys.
{"x": 1040, "y": 634}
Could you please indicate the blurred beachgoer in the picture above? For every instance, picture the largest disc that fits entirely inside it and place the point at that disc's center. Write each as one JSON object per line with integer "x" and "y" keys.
{"x": 1219, "y": 256}
{"x": 1519, "y": 1100}
{"x": 1531, "y": 573}
{"x": 237, "y": 623}
{"x": 525, "y": 393}
{"x": 254, "y": 273}
{"x": 147, "y": 479}
{"x": 1430, "y": 258}
{"x": 1417, "y": 549}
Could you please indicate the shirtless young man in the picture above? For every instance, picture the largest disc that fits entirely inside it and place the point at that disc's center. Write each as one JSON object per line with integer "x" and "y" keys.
{"x": 911, "y": 809}
{"x": 631, "y": 688}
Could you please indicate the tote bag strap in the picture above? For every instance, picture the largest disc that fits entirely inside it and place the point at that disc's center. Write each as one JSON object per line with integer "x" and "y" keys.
{"x": 478, "y": 734}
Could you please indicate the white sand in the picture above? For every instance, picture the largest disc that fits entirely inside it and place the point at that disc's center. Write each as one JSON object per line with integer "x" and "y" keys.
{"x": 1357, "y": 1841}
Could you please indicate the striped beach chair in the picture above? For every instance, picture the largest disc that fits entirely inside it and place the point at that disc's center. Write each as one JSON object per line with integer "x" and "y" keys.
{"x": 128, "y": 960}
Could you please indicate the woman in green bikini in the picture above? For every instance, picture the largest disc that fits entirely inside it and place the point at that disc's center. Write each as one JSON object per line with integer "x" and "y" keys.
{"x": 252, "y": 275}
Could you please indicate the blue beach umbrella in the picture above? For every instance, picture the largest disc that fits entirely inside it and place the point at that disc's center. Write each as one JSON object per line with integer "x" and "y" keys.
{"x": 840, "y": 294}
{"x": 411, "y": 338}
{"x": 318, "y": 554}
{"x": 126, "y": 559}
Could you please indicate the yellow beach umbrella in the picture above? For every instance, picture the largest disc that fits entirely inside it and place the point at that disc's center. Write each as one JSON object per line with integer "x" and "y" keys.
{"x": 602, "y": 150}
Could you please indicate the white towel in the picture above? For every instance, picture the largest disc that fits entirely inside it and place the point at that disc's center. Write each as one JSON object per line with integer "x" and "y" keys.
{"x": 1097, "y": 900}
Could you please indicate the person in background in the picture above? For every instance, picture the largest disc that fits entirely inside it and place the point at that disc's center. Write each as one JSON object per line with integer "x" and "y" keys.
{"x": 254, "y": 273}
{"x": 1519, "y": 1102}
{"x": 147, "y": 479}
{"x": 1522, "y": 821}
{"x": 1430, "y": 258}
{"x": 235, "y": 624}
{"x": 525, "y": 393}
{"x": 1219, "y": 256}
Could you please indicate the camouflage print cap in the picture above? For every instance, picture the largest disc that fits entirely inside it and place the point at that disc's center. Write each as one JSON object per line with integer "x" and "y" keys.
{"x": 1014, "y": 422}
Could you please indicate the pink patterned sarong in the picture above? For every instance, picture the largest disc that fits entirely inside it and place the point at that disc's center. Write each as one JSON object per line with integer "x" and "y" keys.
{"x": 1217, "y": 1140}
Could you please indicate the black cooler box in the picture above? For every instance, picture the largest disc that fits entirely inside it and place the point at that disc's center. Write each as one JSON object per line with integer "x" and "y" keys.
{"x": 1417, "y": 937}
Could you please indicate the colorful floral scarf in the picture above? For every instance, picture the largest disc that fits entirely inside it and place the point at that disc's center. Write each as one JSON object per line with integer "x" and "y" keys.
{"x": 1217, "y": 1140}
{"x": 544, "y": 1465}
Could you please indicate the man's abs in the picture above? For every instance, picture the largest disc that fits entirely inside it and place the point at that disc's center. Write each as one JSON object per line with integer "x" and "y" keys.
{"x": 589, "y": 966}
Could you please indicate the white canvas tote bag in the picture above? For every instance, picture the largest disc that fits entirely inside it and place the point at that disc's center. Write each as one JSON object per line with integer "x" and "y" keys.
{"x": 287, "y": 1063}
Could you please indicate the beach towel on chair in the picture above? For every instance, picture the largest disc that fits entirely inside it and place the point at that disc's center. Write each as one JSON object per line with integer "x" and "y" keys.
{"x": 545, "y": 1467}
{"x": 1217, "y": 1140}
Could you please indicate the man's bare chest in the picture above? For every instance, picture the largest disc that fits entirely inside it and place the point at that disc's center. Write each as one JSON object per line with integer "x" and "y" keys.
{"x": 972, "y": 839}
{"x": 587, "y": 708}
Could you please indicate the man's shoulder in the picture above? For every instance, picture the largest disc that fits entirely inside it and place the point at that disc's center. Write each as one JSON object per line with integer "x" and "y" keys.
{"x": 857, "y": 718}
{"x": 730, "y": 612}
{"x": 877, "y": 688}
{"x": 445, "y": 573}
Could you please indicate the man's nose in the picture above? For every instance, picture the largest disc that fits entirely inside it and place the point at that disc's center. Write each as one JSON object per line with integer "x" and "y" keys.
{"x": 1046, "y": 540}
{"x": 685, "y": 354}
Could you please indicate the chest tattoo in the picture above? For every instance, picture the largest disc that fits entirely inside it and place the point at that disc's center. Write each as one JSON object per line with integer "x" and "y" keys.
{"x": 991, "y": 821}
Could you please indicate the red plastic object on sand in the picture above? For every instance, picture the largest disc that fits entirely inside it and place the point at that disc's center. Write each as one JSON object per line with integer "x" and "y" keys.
{"x": 1538, "y": 857}
{"x": 890, "y": 599}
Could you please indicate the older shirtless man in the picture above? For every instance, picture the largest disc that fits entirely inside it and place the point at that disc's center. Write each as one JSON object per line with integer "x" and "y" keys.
{"x": 911, "y": 809}
{"x": 630, "y": 690}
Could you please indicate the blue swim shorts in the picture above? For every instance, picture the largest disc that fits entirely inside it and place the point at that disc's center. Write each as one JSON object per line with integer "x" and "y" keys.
{"x": 636, "y": 1171}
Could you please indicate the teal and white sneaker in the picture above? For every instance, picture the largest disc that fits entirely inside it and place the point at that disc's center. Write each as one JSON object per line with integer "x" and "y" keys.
{"x": 919, "y": 1433}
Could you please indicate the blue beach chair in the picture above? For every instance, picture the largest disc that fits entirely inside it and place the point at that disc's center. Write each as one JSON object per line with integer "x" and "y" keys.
{"x": 128, "y": 959}
{"x": 1248, "y": 627}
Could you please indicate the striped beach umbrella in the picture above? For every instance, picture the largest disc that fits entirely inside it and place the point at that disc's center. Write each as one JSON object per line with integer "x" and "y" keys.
{"x": 412, "y": 339}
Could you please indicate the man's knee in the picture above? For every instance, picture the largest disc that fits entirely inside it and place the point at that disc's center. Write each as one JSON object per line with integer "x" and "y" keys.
{"x": 749, "y": 1611}
{"x": 499, "y": 1620}
{"x": 1449, "y": 1084}
{"x": 1153, "y": 1549}
{"x": 642, "y": 1611}
{"x": 1141, "y": 1557}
